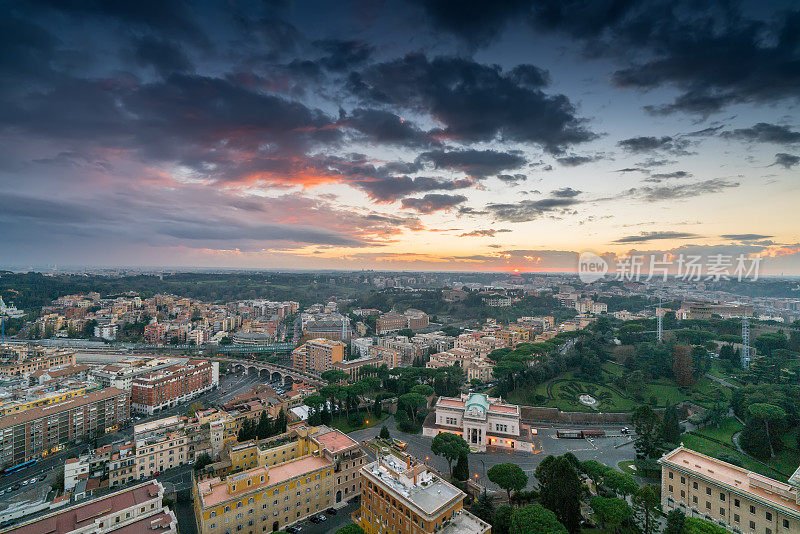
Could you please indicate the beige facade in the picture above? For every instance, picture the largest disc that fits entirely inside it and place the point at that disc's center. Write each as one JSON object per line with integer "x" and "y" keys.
{"x": 154, "y": 454}
{"x": 730, "y": 496}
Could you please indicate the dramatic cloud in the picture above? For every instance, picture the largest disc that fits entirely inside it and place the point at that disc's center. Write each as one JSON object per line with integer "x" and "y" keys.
{"x": 343, "y": 55}
{"x": 384, "y": 127}
{"x": 475, "y": 102}
{"x": 653, "y": 236}
{"x": 433, "y": 202}
{"x": 529, "y": 210}
{"x": 477, "y": 163}
{"x": 765, "y": 133}
{"x": 745, "y": 237}
{"x": 645, "y": 144}
{"x": 574, "y": 160}
{"x": 484, "y": 233}
{"x": 787, "y": 161}
{"x": 389, "y": 189}
{"x": 514, "y": 179}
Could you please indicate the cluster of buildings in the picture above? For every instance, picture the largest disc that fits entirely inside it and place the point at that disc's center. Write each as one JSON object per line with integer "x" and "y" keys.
{"x": 411, "y": 319}
{"x": 168, "y": 318}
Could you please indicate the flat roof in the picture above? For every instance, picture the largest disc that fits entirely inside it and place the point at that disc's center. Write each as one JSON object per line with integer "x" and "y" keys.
{"x": 759, "y": 487}
{"x": 78, "y": 517}
{"x": 451, "y": 402}
{"x": 42, "y": 411}
{"x": 336, "y": 441}
{"x": 214, "y": 490}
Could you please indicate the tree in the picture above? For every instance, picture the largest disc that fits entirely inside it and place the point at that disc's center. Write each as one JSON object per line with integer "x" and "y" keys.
{"x": 676, "y": 523}
{"x": 351, "y": 528}
{"x": 264, "y": 428}
{"x": 594, "y": 470}
{"x": 411, "y": 404}
{"x": 461, "y": 470}
{"x": 766, "y": 414}
{"x": 281, "y": 422}
{"x": 695, "y": 525}
{"x": 502, "y": 520}
{"x": 613, "y": 512}
{"x": 716, "y": 414}
{"x": 647, "y": 500}
{"x": 621, "y": 483}
{"x": 483, "y": 507}
{"x": 561, "y": 490}
{"x": 670, "y": 426}
{"x": 423, "y": 389}
{"x": 451, "y": 446}
{"x": 535, "y": 519}
{"x": 335, "y": 376}
{"x": 384, "y": 432}
{"x": 648, "y": 442}
{"x": 509, "y": 477}
{"x": 682, "y": 365}
{"x": 202, "y": 461}
{"x": 194, "y": 408}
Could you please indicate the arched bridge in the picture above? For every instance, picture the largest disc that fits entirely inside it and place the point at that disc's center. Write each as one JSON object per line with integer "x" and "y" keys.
{"x": 271, "y": 371}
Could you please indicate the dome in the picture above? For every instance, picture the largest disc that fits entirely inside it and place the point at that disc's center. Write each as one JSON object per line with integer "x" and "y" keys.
{"x": 477, "y": 400}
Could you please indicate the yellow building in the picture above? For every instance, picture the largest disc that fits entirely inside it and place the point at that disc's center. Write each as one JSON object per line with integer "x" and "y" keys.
{"x": 318, "y": 355}
{"x": 730, "y": 496}
{"x": 47, "y": 399}
{"x": 397, "y": 497}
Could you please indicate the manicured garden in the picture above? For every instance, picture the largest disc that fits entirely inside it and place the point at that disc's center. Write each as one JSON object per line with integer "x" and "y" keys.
{"x": 563, "y": 392}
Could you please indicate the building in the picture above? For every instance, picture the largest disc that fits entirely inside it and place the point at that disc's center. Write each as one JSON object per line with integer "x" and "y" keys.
{"x": 155, "y": 332}
{"x": 18, "y": 360}
{"x": 482, "y": 421}
{"x": 40, "y": 431}
{"x": 390, "y": 322}
{"x": 75, "y": 372}
{"x": 172, "y": 385}
{"x": 497, "y": 301}
{"x": 326, "y": 325}
{"x": 318, "y": 355}
{"x": 154, "y": 454}
{"x": 730, "y": 496}
{"x": 136, "y": 510}
{"x": 416, "y": 319}
{"x": 706, "y": 310}
{"x": 354, "y": 367}
{"x": 389, "y": 357}
{"x": 278, "y": 486}
{"x": 399, "y": 497}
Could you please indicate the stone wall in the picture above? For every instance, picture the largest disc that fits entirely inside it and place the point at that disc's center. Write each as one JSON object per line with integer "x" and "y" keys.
{"x": 536, "y": 414}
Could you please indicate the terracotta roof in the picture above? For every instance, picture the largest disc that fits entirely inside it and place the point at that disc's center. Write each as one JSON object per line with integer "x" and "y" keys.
{"x": 336, "y": 441}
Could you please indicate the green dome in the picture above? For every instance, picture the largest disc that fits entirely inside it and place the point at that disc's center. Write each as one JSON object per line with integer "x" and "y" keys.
{"x": 477, "y": 399}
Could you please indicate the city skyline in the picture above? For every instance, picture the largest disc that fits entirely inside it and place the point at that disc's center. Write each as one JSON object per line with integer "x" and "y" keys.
{"x": 399, "y": 135}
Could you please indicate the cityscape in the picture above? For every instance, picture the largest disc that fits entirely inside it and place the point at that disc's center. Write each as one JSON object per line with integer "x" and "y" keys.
{"x": 400, "y": 267}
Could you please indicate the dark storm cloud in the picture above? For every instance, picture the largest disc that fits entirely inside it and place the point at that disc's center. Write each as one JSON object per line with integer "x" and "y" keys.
{"x": 164, "y": 56}
{"x": 475, "y": 22}
{"x": 565, "y": 192}
{"x": 477, "y": 163}
{"x": 475, "y": 102}
{"x": 343, "y": 55}
{"x": 645, "y": 144}
{"x": 745, "y": 237}
{"x": 514, "y": 179}
{"x": 787, "y": 161}
{"x": 653, "y": 236}
{"x": 433, "y": 202}
{"x": 574, "y": 160}
{"x": 764, "y": 132}
{"x": 489, "y": 232}
{"x": 529, "y": 210}
{"x": 379, "y": 126}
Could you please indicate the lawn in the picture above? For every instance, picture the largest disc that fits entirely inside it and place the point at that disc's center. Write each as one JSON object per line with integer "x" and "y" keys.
{"x": 724, "y": 433}
{"x": 340, "y": 422}
{"x": 562, "y": 392}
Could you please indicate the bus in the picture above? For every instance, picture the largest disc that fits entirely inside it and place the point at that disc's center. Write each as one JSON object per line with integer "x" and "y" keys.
{"x": 18, "y": 467}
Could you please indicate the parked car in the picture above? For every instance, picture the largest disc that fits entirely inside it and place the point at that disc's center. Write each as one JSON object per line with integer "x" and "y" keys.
{"x": 294, "y": 530}
{"x": 314, "y": 519}
{"x": 15, "y": 487}
{"x": 24, "y": 482}
{"x": 322, "y": 517}
{"x": 331, "y": 511}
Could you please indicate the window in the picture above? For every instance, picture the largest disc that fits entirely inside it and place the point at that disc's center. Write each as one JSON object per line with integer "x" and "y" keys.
{"x": 752, "y": 509}
{"x": 752, "y": 525}
{"x": 708, "y": 505}
{"x": 785, "y": 523}
{"x": 708, "y": 491}
{"x": 694, "y": 485}
{"x": 736, "y": 503}
{"x": 671, "y": 475}
{"x": 736, "y": 518}
{"x": 670, "y": 489}
{"x": 683, "y": 480}
{"x": 213, "y": 514}
{"x": 722, "y": 511}
{"x": 722, "y": 497}
{"x": 769, "y": 516}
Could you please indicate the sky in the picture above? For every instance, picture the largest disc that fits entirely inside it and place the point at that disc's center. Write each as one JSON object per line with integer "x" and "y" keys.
{"x": 398, "y": 135}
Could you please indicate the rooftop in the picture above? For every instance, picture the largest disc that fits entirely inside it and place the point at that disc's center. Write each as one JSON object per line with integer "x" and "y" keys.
{"x": 336, "y": 441}
{"x": 78, "y": 517}
{"x": 42, "y": 411}
{"x": 465, "y": 523}
{"x": 767, "y": 490}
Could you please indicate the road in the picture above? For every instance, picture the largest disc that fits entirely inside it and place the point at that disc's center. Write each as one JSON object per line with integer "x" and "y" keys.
{"x": 609, "y": 451}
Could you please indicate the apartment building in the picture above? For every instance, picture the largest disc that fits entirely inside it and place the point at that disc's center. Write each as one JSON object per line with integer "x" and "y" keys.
{"x": 264, "y": 498}
{"x": 156, "y": 453}
{"x": 343, "y": 452}
{"x": 39, "y": 431}
{"x": 18, "y": 360}
{"x": 155, "y": 332}
{"x": 740, "y": 500}
{"x": 172, "y": 385}
{"x": 136, "y": 510}
{"x": 354, "y": 367}
{"x": 390, "y": 322}
{"x": 36, "y": 396}
{"x": 318, "y": 355}
{"x": 399, "y": 497}
{"x": 390, "y": 357}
